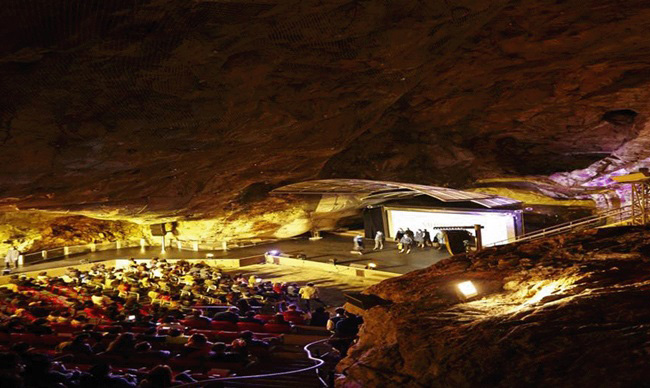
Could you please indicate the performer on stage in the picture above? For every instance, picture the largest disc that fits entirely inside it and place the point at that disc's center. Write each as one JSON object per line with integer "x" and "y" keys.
{"x": 12, "y": 257}
{"x": 379, "y": 241}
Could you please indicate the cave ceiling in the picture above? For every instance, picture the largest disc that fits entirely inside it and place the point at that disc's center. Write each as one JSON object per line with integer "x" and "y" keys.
{"x": 185, "y": 109}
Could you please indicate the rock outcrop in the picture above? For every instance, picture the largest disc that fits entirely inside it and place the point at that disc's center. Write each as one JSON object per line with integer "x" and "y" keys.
{"x": 35, "y": 231}
{"x": 565, "y": 311}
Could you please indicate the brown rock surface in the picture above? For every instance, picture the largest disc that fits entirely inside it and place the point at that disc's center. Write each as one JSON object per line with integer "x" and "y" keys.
{"x": 577, "y": 317}
{"x": 35, "y": 231}
{"x": 179, "y": 109}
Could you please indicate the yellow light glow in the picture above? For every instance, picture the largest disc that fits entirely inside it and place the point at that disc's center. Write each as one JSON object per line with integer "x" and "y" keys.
{"x": 372, "y": 265}
{"x": 542, "y": 293}
{"x": 467, "y": 289}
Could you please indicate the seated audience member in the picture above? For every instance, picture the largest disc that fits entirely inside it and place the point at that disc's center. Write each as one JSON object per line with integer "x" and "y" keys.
{"x": 159, "y": 377}
{"x": 40, "y": 372}
{"x": 278, "y": 319}
{"x": 144, "y": 349}
{"x": 250, "y": 317}
{"x": 243, "y": 306}
{"x": 197, "y": 321}
{"x": 123, "y": 345}
{"x": 176, "y": 336}
{"x": 99, "y": 299}
{"x": 232, "y": 315}
{"x": 319, "y": 317}
{"x": 79, "y": 344}
{"x": 220, "y": 354}
{"x": 293, "y": 313}
{"x": 250, "y": 342}
{"x": 197, "y": 346}
{"x": 100, "y": 376}
{"x": 53, "y": 316}
{"x": 78, "y": 321}
{"x": 39, "y": 326}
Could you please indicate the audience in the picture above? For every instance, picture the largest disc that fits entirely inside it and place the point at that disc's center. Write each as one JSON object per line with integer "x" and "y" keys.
{"x": 102, "y": 306}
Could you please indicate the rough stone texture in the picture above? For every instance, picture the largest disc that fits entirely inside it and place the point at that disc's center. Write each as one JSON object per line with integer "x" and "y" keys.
{"x": 35, "y": 231}
{"x": 178, "y": 109}
{"x": 564, "y": 311}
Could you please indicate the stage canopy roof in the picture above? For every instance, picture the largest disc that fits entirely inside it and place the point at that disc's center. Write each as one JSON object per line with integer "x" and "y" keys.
{"x": 383, "y": 191}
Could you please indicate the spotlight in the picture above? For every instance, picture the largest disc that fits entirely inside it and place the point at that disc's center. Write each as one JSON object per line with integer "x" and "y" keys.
{"x": 467, "y": 289}
{"x": 258, "y": 280}
{"x": 372, "y": 265}
{"x": 273, "y": 253}
{"x": 209, "y": 255}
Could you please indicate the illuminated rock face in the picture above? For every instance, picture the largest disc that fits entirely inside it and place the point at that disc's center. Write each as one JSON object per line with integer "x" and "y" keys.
{"x": 35, "y": 231}
{"x": 566, "y": 311}
{"x": 176, "y": 109}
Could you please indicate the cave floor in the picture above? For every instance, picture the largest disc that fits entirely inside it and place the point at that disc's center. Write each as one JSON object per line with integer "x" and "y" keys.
{"x": 329, "y": 247}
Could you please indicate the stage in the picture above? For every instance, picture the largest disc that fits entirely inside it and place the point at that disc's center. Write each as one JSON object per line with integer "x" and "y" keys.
{"x": 323, "y": 250}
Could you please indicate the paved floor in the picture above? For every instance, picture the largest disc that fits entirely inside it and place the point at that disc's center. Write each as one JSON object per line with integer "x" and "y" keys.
{"x": 330, "y": 247}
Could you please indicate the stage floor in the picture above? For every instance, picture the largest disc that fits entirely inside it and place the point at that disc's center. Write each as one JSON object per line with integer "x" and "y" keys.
{"x": 329, "y": 247}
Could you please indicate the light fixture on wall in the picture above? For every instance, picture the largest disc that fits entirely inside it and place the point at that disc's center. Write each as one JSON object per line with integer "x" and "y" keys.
{"x": 467, "y": 289}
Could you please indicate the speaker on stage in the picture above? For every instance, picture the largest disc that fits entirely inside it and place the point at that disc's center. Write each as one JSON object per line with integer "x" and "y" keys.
{"x": 364, "y": 301}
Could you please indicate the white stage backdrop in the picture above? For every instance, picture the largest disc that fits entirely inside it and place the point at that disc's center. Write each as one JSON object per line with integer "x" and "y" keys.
{"x": 497, "y": 226}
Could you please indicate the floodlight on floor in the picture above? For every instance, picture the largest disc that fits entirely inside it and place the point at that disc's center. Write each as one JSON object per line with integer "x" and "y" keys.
{"x": 467, "y": 289}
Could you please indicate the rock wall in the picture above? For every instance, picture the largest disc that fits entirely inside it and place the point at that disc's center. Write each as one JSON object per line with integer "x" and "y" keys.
{"x": 34, "y": 231}
{"x": 565, "y": 311}
{"x": 161, "y": 110}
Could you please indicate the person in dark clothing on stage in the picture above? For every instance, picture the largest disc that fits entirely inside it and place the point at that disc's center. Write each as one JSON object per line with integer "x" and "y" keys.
{"x": 427, "y": 238}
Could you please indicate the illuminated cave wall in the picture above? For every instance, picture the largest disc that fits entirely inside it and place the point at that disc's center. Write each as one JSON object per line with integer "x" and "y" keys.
{"x": 177, "y": 110}
{"x": 34, "y": 231}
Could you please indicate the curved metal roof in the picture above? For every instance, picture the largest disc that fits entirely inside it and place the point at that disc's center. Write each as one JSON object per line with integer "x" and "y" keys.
{"x": 381, "y": 190}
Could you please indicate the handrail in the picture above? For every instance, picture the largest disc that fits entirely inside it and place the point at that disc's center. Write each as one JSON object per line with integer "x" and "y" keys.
{"x": 319, "y": 362}
{"x": 70, "y": 250}
{"x": 568, "y": 225}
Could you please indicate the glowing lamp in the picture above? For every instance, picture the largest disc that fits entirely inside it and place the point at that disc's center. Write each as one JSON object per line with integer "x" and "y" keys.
{"x": 258, "y": 280}
{"x": 372, "y": 265}
{"x": 467, "y": 289}
{"x": 209, "y": 255}
{"x": 273, "y": 253}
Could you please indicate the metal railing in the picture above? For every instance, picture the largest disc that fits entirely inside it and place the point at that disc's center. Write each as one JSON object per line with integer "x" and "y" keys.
{"x": 318, "y": 363}
{"x": 608, "y": 217}
{"x": 218, "y": 245}
{"x": 56, "y": 253}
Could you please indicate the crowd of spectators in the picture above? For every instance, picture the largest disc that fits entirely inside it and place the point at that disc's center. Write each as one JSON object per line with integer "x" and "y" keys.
{"x": 155, "y": 311}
